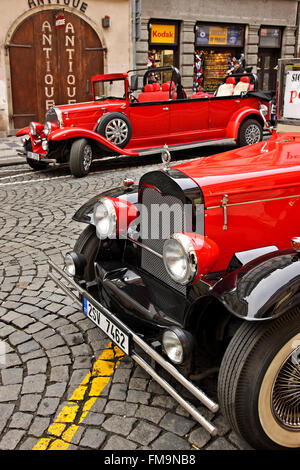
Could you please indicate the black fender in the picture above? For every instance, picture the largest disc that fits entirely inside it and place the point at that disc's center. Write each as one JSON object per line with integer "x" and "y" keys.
{"x": 85, "y": 213}
{"x": 262, "y": 289}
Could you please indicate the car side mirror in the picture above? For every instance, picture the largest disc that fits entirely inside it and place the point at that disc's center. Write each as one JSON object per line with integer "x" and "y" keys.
{"x": 133, "y": 83}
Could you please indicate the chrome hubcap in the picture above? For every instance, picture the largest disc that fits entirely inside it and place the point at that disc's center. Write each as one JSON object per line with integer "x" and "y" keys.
{"x": 87, "y": 157}
{"x": 116, "y": 131}
{"x": 252, "y": 134}
{"x": 286, "y": 393}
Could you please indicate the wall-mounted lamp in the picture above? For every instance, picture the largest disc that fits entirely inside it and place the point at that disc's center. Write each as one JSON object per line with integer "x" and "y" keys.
{"x": 106, "y": 21}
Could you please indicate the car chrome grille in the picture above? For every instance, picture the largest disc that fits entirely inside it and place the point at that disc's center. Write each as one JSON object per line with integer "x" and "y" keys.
{"x": 150, "y": 262}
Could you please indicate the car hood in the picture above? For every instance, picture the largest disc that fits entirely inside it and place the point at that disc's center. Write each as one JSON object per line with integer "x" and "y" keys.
{"x": 248, "y": 172}
{"x": 89, "y": 106}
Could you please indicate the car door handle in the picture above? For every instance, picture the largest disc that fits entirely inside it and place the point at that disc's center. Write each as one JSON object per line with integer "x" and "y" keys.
{"x": 165, "y": 109}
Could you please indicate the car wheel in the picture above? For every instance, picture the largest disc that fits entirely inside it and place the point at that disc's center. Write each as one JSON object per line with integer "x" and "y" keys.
{"x": 87, "y": 244}
{"x": 116, "y": 128}
{"x": 81, "y": 157}
{"x": 259, "y": 383}
{"x": 250, "y": 133}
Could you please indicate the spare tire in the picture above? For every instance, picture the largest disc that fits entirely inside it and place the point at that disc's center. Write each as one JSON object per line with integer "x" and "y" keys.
{"x": 116, "y": 128}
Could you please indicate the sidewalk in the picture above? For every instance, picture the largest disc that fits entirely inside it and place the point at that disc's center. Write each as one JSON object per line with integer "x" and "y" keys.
{"x": 8, "y": 154}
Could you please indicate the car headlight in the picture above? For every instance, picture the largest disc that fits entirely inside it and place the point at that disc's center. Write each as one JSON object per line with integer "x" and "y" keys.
{"x": 180, "y": 258}
{"x": 263, "y": 109}
{"x": 105, "y": 218}
{"x": 32, "y": 128}
{"x": 74, "y": 263}
{"x": 47, "y": 128}
{"x": 45, "y": 145}
{"x": 177, "y": 344}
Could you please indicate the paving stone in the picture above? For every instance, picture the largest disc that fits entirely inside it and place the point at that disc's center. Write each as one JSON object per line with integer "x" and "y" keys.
{"x": 118, "y": 392}
{"x": 169, "y": 441}
{"x": 18, "y": 337}
{"x": 12, "y": 376}
{"x": 21, "y": 420}
{"x": 94, "y": 419}
{"x": 121, "y": 408}
{"x": 6, "y": 331}
{"x": 144, "y": 433}
{"x": 56, "y": 390}
{"x": 199, "y": 437}
{"x": 116, "y": 443}
{"x": 136, "y": 396}
{"x": 93, "y": 438}
{"x": 28, "y": 347}
{"x": 138, "y": 384}
{"x": 59, "y": 374}
{"x": 11, "y": 439}
{"x": 23, "y": 321}
{"x": 39, "y": 426}
{"x": 119, "y": 425}
{"x": 60, "y": 360}
{"x": 9, "y": 392}
{"x": 30, "y": 402}
{"x": 176, "y": 424}
{"x": 150, "y": 413}
{"x": 52, "y": 342}
{"x": 37, "y": 366}
{"x": 58, "y": 351}
{"x": 34, "y": 384}
{"x": 121, "y": 375}
{"x": 220, "y": 444}
{"x": 28, "y": 444}
{"x": 48, "y": 406}
{"x": 6, "y": 410}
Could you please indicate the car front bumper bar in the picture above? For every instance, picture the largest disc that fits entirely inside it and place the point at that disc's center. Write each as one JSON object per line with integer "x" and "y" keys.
{"x": 195, "y": 391}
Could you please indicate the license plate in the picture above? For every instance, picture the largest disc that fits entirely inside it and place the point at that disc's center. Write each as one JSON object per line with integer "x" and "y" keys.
{"x": 33, "y": 156}
{"x": 117, "y": 335}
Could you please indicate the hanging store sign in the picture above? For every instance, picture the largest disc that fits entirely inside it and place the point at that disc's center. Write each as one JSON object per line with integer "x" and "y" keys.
{"x": 163, "y": 34}
{"x": 291, "y": 101}
{"x": 208, "y": 35}
{"x": 60, "y": 21}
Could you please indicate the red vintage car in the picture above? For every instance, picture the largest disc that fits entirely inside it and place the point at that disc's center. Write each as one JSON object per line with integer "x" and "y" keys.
{"x": 202, "y": 260}
{"x": 120, "y": 123}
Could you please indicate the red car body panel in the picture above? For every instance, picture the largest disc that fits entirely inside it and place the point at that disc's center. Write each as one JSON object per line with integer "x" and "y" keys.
{"x": 261, "y": 186}
{"x": 76, "y": 132}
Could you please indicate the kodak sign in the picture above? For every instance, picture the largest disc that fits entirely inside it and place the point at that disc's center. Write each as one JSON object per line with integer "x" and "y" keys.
{"x": 163, "y": 33}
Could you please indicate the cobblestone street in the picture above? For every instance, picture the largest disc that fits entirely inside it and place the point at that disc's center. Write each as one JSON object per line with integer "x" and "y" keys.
{"x": 50, "y": 347}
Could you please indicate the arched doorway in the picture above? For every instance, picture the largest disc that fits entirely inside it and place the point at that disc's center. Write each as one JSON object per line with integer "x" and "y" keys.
{"x": 51, "y": 64}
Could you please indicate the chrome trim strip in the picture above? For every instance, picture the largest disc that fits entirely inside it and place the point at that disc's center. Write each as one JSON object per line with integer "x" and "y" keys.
{"x": 198, "y": 393}
{"x": 253, "y": 202}
{"x": 146, "y": 247}
{"x": 187, "y": 406}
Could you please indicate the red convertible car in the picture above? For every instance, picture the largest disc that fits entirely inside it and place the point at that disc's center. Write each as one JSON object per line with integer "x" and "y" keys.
{"x": 202, "y": 260}
{"x": 120, "y": 123}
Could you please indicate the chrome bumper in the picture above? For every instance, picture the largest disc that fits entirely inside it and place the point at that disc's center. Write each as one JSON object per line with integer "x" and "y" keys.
{"x": 195, "y": 391}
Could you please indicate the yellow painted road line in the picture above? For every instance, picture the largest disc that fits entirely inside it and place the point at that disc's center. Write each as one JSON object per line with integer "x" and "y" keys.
{"x": 66, "y": 424}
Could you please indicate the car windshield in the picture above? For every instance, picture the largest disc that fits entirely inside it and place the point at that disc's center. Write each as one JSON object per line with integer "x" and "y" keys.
{"x": 109, "y": 89}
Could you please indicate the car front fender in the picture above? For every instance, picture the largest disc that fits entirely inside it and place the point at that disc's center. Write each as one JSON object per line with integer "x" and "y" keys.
{"x": 263, "y": 289}
{"x": 85, "y": 213}
{"x": 236, "y": 120}
{"x": 24, "y": 131}
{"x": 78, "y": 133}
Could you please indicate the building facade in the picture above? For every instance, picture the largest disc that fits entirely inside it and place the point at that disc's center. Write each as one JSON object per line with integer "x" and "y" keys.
{"x": 201, "y": 37}
{"x": 49, "y": 49}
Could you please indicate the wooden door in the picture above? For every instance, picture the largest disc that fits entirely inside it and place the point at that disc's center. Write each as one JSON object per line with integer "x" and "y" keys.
{"x": 51, "y": 65}
{"x": 267, "y": 73}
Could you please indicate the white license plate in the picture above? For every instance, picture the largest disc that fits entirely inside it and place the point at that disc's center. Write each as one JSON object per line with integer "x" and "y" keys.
{"x": 117, "y": 335}
{"x": 33, "y": 156}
